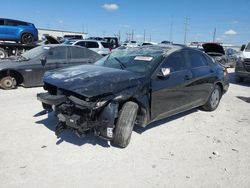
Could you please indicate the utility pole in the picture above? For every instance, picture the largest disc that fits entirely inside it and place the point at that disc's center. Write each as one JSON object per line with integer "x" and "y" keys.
{"x": 186, "y": 24}
{"x": 119, "y": 36}
{"x": 171, "y": 30}
{"x": 144, "y": 35}
{"x": 83, "y": 28}
{"x": 214, "y": 35}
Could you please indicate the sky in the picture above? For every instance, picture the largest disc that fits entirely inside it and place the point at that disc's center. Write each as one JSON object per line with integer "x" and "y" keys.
{"x": 160, "y": 19}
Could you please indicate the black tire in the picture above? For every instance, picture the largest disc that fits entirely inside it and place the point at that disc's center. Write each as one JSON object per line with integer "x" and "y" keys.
{"x": 3, "y": 53}
{"x": 214, "y": 99}
{"x": 8, "y": 82}
{"x": 125, "y": 124}
{"x": 27, "y": 38}
{"x": 239, "y": 79}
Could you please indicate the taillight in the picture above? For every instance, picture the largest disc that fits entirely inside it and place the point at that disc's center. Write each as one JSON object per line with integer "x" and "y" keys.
{"x": 225, "y": 71}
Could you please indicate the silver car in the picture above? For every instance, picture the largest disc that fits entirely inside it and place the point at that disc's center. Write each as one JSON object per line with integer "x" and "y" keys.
{"x": 100, "y": 47}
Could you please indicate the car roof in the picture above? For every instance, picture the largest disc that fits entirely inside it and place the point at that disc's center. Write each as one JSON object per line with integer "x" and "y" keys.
{"x": 13, "y": 20}
{"x": 89, "y": 40}
{"x": 60, "y": 45}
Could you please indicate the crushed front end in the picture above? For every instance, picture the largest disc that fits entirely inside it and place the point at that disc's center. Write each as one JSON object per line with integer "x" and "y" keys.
{"x": 80, "y": 114}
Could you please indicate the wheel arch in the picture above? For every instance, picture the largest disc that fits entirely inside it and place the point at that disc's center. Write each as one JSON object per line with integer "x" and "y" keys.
{"x": 21, "y": 33}
{"x": 143, "y": 114}
{"x": 221, "y": 87}
{"x": 10, "y": 72}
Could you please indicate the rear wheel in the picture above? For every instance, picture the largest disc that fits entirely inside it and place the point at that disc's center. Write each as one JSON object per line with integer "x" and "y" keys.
{"x": 214, "y": 99}
{"x": 3, "y": 53}
{"x": 8, "y": 82}
{"x": 125, "y": 124}
{"x": 27, "y": 38}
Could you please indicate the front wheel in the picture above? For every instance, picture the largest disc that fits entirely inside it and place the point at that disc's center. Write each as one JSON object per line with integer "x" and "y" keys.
{"x": 8, "y": 82}
{"x": 3, "y": 53}
{"x": 125, "y": 124}
{"x": 214, "y": 99}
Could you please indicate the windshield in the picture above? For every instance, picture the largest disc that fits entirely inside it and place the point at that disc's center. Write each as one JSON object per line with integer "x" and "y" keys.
{"x": 135, "y": 60}
{"x": 70, "y": 42}
{"x": 35, "y": 52}
{"x": 247, "y": 47}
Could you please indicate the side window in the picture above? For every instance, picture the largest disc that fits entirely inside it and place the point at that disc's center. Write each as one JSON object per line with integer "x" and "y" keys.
{"x": 1, "y": 22}
{"x": 9, "y": 23}
{"x": 92, "y": 45}
{"x": 81, "y": 44}
{"x": 22, "y": 23}
{"x": 77, "y": 53}
{"x": 176, "y": 62}
{"x": 57, "y": 53}
{"x": 196, "y": 59}
{"x": 106, "y": 45}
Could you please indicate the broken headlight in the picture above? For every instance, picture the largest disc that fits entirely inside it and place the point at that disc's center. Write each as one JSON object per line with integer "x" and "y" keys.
{"x": 100, "y": 104}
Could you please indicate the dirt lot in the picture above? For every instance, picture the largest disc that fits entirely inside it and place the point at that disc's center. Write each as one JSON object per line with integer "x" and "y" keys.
{"x": 193, "y": 149}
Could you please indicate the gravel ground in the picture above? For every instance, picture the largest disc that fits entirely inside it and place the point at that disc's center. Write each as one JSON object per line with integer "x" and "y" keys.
{"x": 192, "y": 149}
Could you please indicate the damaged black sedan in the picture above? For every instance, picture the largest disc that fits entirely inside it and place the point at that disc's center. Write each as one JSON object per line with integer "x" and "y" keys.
{"x": 132, "y": 87}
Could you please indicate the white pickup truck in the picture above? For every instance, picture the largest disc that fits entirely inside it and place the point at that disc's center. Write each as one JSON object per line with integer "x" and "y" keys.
{"x": 242, "y": 69}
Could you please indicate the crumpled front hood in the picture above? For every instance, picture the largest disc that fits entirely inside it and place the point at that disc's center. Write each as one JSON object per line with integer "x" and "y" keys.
{"x": 92, "y": 80}
{"x": 213, "y": 47}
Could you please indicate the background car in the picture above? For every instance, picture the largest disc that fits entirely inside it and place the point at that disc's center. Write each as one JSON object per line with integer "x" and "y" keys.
{"x": 232, "y": 56}
{"x": 19, "y": 31}
{"x": 242, "y": 69}
{"x": 133, "y": 86}
{"x": 217, "y": 52}
{"x": 28, "y": 69}
{"x": 100, "y": 47}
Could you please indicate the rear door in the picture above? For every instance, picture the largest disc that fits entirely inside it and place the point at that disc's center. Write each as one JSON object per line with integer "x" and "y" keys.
{"x": 171, "y": 94}
{"x": 10, "y": 29}
{"x": 92, "y": 45}
{"x": 2, "y": 31}
{"x": 105, "y": 48}
{"x": 203, "y": 76}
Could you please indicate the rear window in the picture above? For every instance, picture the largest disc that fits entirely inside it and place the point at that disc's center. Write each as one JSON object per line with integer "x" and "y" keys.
{"x": 197, "y": 59}
{"x": 105, "y": 44}
{"x": 15, "y": 23}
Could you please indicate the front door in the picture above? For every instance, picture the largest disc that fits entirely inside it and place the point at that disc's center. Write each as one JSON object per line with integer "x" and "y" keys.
{"x": 54, "y": 58}
{"x": 171, "y": 94}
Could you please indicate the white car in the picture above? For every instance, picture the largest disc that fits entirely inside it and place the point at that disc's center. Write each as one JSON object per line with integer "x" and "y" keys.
{"x": 100, "y": 47}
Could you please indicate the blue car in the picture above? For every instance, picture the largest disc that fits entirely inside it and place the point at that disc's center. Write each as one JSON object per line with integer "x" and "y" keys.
{"x": 19, "y": 31}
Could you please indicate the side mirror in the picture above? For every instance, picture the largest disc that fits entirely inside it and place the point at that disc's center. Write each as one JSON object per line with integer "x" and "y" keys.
{"x": 164, "y": 73}
{"x": 242, "y": 47}
{"x": 43, "y": 61}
